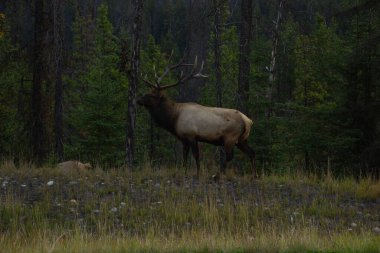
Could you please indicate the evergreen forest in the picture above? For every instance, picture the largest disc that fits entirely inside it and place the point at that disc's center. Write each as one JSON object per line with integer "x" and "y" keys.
{"x": 306, "y": 72}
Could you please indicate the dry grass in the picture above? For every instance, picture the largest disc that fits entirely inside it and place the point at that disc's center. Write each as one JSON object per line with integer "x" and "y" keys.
{"x": 168, "y": 211}
{"x": 270, "y": 240}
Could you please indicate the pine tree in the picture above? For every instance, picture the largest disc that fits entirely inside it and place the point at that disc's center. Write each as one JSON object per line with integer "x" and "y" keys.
{"x": 99, "y": 120}
{"x": 319, "y": 57}
{"x": 14, "y": 88}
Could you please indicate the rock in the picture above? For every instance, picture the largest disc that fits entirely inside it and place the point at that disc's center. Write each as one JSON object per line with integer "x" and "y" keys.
{"x": 73, "y": 202}
{"x": 113, "y": 210}
{"x": 123, "y": 204}
{"x": 354, "y": 225}
{"x": 23, "y": 185}
{"x": 73, "y": 167}
{"x": 376, "y": 230}
{"x": 50, "y": 183}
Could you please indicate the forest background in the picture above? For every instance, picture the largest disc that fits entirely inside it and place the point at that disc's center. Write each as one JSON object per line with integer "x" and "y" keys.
{"x": 306, "y": 72}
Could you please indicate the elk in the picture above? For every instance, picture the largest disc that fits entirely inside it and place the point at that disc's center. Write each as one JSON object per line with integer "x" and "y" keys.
{"x": 192, "y": 123}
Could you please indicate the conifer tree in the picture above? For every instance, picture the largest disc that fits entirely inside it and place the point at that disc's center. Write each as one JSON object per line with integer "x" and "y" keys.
{"x": 99, "y": 120}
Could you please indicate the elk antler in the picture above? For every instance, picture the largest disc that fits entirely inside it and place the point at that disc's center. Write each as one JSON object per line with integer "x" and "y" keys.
{"x": 192, "y": 74}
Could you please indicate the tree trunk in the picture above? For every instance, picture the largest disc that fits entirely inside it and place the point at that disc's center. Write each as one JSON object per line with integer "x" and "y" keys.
{"x": 218, "y": 71}
{"x": 133, "y": 81}
{"x": 244, "y": 51}
{"x": 272, "y": 66}
{"x": 197, "y": 32}
{"x": 58, "y": 51}
{"x": 38, "y": 127}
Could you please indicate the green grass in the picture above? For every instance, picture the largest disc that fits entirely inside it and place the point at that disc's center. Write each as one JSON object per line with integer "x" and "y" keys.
{"x": 168, "y": 211}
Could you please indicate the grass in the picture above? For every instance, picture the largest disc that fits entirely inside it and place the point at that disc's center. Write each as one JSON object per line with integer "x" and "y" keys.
{"x": 168, "y": 211}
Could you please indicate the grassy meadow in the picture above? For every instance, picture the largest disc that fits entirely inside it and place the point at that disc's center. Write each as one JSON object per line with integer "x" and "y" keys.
{"x": 166, "y": 210}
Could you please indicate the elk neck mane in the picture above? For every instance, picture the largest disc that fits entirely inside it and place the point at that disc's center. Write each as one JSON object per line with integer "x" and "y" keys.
{"x": 165, "y": 114}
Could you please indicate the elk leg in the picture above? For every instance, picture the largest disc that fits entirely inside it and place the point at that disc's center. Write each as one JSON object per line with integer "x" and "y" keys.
{"x": 185, "y": 150}
{"x": 195, "y": 150}
{"x": 228, "y": 149}
{"x": 246, "y": 149}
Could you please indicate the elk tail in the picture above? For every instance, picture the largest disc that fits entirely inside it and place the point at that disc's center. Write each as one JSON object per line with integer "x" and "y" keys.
{"x": 247, "y": 127}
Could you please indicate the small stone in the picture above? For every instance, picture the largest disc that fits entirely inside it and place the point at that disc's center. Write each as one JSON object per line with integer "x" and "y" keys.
{"x": 350, "y": 229}
{"x": 50, "y": 183}
{"x": 5, "y": 182}
{"x": 23, "y": 185}
{"x": 113, "y": 209}
{"x": 73, "y": 202}
{"x": 96, "y": 211}
{"x": 376, "y": 230}
{"x": 123, "y": 204}
{"x": 354, "y": 225}
{"x": 157, "y": 185}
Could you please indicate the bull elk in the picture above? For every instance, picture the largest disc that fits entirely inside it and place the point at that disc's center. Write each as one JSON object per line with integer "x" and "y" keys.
{"x": 192, "y": 123}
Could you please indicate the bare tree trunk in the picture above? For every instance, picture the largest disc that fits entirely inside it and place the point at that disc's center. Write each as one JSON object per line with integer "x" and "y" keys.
{"x": 218, "y": 71}
{"x": 197, "y": 32}
{"x": 58, "y": 51}
{"x": 133, "y": 81}
{"x": 272, "y": 66}
{"x": 245, "y": 51}
{"x": 38, "y": 127}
